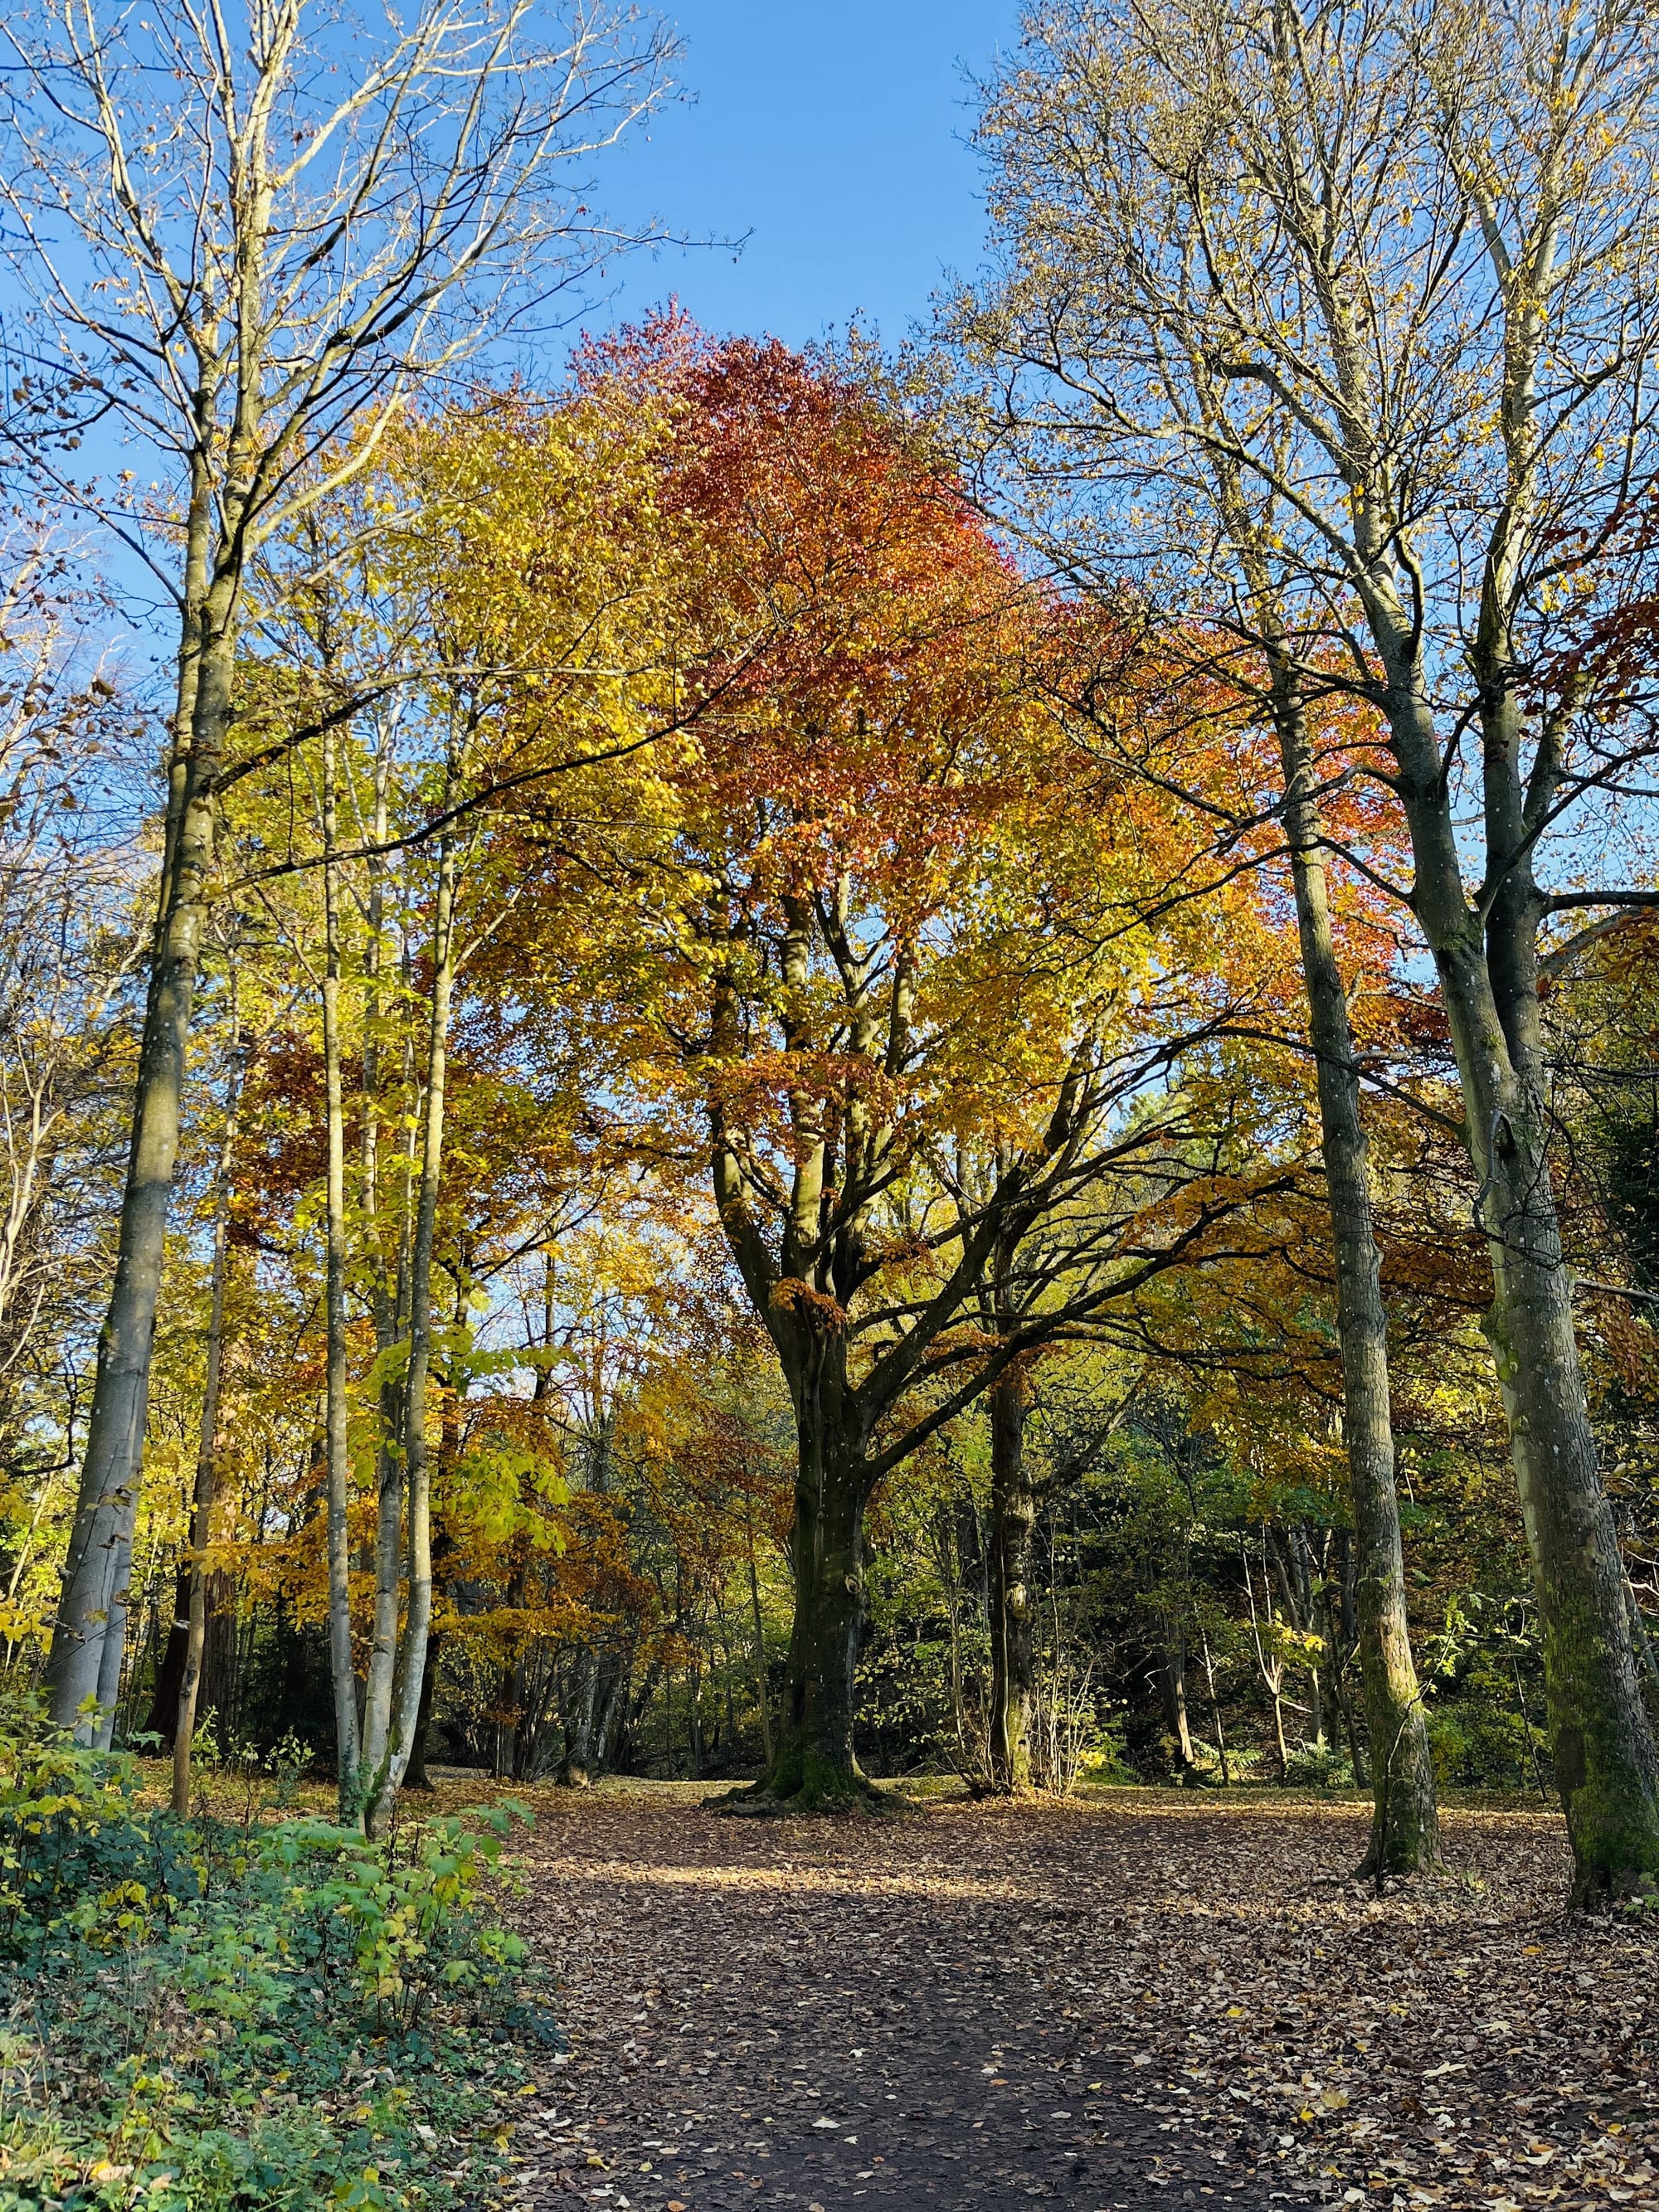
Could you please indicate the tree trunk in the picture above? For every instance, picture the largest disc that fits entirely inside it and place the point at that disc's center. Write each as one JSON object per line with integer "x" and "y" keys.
{"x": 1607, "y": 1768}
{"x": 207, "y": 1456}
{"x": 348, "y": 1746}
{"x": 1405, "y": 1829}
{"x": 1172, "y": 1684}
{"x": 91, "y": 1610}
{"x": 509, "y": 1691}
{"x": 694, "y": 1720}
{"x": 162, "y": 1718}
{"x": 418, "y": 1777}
{"x": 1216, "y": 1721}
{"x": 395, "y": 1736}
{"x": 390, "y": 1278}
{"x": 1013, "y": 1517}
{"x": 762, "y": 1696}
{"x": 815, "y": 1764}
{"x": 612, "y": 1719}
{"x": 576, "y": 1768}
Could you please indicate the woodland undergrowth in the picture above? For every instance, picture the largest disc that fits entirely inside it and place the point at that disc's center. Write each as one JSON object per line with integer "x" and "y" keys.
{"x": 252, "y": 2005}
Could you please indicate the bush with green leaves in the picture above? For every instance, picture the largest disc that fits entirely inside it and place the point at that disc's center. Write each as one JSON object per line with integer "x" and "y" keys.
{"x": 200, "y": 2016}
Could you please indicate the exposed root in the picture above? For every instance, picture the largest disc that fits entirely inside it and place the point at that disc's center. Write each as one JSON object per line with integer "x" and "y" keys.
{"x": 820, "y": 1794}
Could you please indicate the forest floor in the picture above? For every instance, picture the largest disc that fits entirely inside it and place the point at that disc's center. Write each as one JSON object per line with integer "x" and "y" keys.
{"x": 1127, "y": 2003}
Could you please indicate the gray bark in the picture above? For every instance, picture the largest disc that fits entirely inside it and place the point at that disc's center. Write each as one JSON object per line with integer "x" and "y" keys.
{"x": 1013, "y": 1517}
{"x": 1606, "y": 1763}
{"x": 83, "y": 1667}
{"x": 386, "y": 1750}
{"x": 1404, "y": 1831}
{"x": 206, "y": 1492}
{"x": 348, "y": 1749}
{"x": 1172, "y": 1688}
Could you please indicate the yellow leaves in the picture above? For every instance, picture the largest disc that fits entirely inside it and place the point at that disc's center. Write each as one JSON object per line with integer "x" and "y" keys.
{"x": 1299, "y": 1645}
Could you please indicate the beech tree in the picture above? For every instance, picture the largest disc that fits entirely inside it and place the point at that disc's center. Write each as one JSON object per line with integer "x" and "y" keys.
{"x": 1347, "y": 311}
{"x": 829, "y": 959}
{"x": 249, "y": 237}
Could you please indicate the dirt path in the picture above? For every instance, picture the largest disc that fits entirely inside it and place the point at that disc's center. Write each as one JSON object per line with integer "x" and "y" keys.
{"x": 1125, "y": 2006}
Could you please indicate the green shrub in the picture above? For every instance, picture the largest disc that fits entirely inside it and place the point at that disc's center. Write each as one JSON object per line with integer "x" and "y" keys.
{"x": 196, "y": 2015}
{"x": 1319, "y": 1766}
{"x": 1481, "y": 1743}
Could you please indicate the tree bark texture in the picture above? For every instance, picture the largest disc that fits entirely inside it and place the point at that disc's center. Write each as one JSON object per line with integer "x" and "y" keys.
{"x": 389, "y": 1732}
{"x": 205, "y": 1494}
{"x": 91, "y": 1608}
{"x": 348, "y": 1747}
{"x": 1172, "y": 1688}
{"x": 1607, "y": 1768}
{"x": 1405, "y": 1830}
{"x": 576, "y": 1767}
{"x": 416, "y": 1778}
{"x": 815, "y": 1764}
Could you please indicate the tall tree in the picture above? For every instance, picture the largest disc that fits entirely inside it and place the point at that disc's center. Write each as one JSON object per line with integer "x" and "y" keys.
{"x": 264, "y": 267}
{"x": 1392, "y": 270}
{"x": 828, "y": 961}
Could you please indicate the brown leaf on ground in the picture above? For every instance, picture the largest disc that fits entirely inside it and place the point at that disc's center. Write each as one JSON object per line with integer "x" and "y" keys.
{"x": 1120, "y": 2004}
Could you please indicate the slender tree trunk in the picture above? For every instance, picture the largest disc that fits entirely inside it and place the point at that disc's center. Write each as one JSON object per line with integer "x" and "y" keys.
{"x": 207, "y": 1455}
{"x": 348, "y": 1749}
{"x": 509, "y": 1692}
{"x": 576, "y": 1768}
{"x": 613, "y": 1710}
{"x": 418, "y": 1777}
{"x": 1216, "y": 1722}
{"x": 162, "y": 1718}
{"x": 694, "y": 1719}
{"x": 394, "y": 1733}
{"x": 1172, "y": 1684}
{"x": 91, "y": 1610}
{"x": 726, "y": 1671}
{"x": 1271, "y": 1667}
{"x": 762, "y": 1696}
{"x": 390, "y": 1255}
{"x": 1392, "y": 1697}
{"x": 951, "y": 1584}
{"x": 1013, "y": 1518}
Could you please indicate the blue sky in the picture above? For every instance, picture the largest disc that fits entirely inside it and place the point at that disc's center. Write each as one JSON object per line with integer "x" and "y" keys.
{"x": 834, "y": 134}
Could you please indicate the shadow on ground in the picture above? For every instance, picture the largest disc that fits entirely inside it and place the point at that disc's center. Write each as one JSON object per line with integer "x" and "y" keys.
{"x": 1103, "y": 2006}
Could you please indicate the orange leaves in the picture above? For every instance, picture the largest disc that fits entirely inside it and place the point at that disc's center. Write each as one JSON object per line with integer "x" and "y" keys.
{"x": 820, "y": 1314}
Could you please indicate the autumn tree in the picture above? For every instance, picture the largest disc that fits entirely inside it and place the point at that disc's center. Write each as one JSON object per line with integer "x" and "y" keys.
{"x": 827, "y": 961}
{"x": 1357, "y": 273}
{"x": 268, "y": 258}
{"x": 68, "y": 737}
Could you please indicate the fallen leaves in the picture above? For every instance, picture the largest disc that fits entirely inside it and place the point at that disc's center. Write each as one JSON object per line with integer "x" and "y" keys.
{"x": 875, "y": 2010}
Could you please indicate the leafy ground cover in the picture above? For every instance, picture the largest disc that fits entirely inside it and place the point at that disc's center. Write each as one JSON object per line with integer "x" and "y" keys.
{"x": 252, "y": 2011}
{"x": 1140, "y": 2000}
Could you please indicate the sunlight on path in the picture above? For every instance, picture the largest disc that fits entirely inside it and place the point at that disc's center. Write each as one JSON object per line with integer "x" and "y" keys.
{"x": 1111, "y": 2009}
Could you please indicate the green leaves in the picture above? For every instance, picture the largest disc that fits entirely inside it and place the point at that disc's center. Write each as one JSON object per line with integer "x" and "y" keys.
{"x": 223, "y": 2016}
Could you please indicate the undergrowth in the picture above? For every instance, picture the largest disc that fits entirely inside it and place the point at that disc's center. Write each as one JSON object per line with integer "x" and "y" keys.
{"x": 203, "y": 2014}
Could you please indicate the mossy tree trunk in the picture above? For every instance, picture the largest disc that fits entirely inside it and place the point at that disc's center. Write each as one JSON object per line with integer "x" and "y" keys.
{"x": 814, "y": 1762}
{"x": 1405, "y": 1822}
{"x": 1606, "y": 1766}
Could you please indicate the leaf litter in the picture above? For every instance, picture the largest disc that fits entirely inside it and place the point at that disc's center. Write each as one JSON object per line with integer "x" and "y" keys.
{"x": 1106, "y": 2005}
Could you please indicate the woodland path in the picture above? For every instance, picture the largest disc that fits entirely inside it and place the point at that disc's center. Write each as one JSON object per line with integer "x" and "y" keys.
{"x": 1125, "y": 2004}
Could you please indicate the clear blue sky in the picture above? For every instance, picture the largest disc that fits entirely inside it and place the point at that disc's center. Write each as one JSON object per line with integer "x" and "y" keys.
{"x": 832, "y": 131}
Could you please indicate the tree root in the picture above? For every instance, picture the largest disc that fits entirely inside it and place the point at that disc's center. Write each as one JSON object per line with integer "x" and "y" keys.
{"x": 842, "y": 1797}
